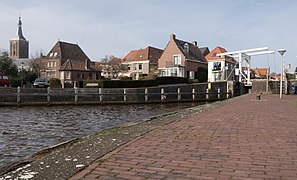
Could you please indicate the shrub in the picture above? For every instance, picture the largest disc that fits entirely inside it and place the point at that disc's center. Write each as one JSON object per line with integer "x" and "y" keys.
{"x": 54, "y": 81}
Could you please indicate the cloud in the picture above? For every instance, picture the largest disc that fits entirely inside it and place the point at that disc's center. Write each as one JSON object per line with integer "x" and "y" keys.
{"x": 103, "y": 27}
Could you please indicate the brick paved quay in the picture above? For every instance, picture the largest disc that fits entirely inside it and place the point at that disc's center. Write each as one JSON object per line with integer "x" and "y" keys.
{"x": 242, "y": 139}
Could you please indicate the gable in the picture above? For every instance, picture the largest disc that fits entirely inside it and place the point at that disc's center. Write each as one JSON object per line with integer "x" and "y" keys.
{"x": 212, "y": 56}
{"x": 192, "y": 52}
{"x": 64, "y": 51}
{"x": 150, "y": 53}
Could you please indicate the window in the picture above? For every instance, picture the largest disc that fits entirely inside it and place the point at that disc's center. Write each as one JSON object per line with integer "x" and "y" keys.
{"x": 186, "y": 47}
{"x": 48, "y": 64}
{"x": 129, "y": 68}
{"x": 68, "y": 75}
{"x": 140, "y": 66}
{"x": 55, "y": 64}
{"x": 176, "y": 60}
{"x": 214, "y": 54}
{"x": 192, "y": 75}
{"x": 216, "y": 66}
{"x": 55, "y": 55}
{"x": 52, "y": 64}
{"x": 51, "y": 54}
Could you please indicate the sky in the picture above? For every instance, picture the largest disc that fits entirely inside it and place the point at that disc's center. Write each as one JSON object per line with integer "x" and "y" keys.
{"x": 114, "y": 27}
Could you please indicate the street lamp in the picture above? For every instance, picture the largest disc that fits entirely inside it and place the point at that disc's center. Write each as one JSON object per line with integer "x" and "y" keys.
{"x": 282, "y": 52}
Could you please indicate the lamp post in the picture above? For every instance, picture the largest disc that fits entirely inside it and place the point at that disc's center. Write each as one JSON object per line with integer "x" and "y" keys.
{"x": 282, "y": 52}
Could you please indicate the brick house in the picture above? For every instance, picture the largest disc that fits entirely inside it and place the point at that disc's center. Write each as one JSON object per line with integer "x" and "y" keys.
{"x": 68, "y": 63}
{"x": 220, "y": 68}
{"x": 142, "y": 62}
{"x": 261, "y": 73}
{"x": 181, "y": 59}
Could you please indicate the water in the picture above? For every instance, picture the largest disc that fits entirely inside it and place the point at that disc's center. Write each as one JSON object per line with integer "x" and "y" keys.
{"x": 26, "y": 130}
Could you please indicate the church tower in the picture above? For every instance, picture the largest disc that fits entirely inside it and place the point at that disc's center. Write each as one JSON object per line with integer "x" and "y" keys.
{"x": 19, "y": 46}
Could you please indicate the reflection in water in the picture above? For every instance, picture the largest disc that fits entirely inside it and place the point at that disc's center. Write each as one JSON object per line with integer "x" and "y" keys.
{"x": 26, "y": 130}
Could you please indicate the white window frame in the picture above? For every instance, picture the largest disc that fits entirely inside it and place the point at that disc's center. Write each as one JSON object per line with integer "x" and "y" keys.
{"x": 176, "y": 59}
{"x": 191, "y": 75}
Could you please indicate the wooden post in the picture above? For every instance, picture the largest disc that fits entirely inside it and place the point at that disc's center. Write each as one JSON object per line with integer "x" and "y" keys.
{"x": 48, "y": 95}
{"x": 178, "y": 94}
{"x": 207, "y": 95}
{"x": 163, "y": 97}
{"x": 19, "y": 95}
{"x": 145, "y": 94}
{"x": 219, "y": 93}
{"x": 100, "y": 94}
{"x": 125, "y": 96}
{"x": 76, "y": 94}
{"x": 193, "y": 94}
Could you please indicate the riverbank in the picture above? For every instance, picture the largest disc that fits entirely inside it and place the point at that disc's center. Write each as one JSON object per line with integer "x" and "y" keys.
{"x": 60, "y": 162}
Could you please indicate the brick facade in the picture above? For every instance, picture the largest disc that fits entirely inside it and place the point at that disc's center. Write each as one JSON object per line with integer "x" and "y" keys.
{"x": 181, "y": 59}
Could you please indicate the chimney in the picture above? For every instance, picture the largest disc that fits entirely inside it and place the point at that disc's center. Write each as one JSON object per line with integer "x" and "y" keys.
{"x": 172, "y": 36}
{"x": 195, "y": 43}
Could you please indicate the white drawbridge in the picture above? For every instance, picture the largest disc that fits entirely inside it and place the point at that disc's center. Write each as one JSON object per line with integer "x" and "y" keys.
{"x": 245, "y": 56}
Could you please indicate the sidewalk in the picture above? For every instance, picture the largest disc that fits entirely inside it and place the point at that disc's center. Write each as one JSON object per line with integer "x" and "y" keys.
{"x": 242, "y": 139}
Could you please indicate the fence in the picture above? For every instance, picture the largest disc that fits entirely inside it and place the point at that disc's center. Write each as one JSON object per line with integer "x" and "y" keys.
{"x": 50, "y": 96}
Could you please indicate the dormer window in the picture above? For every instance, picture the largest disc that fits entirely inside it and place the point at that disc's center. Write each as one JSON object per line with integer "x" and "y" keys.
{"x": 214, "y": 54}
{"x": 186, "y": 47}
{"x": 51, "y": 54}
{"x": 55, "y": 55}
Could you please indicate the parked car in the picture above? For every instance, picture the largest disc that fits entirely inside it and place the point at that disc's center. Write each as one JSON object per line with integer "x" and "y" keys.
{"x": 40, "y": 83}
{"x": 4, "y": 80}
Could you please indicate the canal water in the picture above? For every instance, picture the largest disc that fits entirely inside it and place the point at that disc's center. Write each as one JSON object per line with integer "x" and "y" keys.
{"x": 26, "y": 130}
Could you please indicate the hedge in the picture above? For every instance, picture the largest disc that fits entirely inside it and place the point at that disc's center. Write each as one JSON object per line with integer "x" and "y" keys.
{"x": 136, "y": 83}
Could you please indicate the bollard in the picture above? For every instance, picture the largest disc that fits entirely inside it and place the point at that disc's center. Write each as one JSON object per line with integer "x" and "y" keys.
{"x": 258, "y": 96}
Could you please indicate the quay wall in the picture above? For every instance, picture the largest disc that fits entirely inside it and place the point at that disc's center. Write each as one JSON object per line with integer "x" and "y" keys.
{"x": 272, "y": 87}
{"x": 167, "y": 93}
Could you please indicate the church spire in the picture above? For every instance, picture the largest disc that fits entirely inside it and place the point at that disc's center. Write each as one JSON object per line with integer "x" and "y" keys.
{"x": 20, "y": 32}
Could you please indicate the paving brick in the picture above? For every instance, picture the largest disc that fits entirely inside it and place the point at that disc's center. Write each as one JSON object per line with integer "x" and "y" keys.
{"x": 240, "y": 139}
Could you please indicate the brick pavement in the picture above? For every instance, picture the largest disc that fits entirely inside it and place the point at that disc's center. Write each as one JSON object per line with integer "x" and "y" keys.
{"x": 242, "y": 139}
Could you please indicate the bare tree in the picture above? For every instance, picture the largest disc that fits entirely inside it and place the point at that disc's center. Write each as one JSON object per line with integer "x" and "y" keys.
{"x": 112, "y": 66}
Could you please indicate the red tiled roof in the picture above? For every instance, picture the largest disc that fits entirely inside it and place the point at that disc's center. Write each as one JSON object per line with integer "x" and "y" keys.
{"x": 131, "y": 55}
{"x": 261, "y": 72}
{"x": 212, "y": 56}
{"x": 150, "y": 53}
